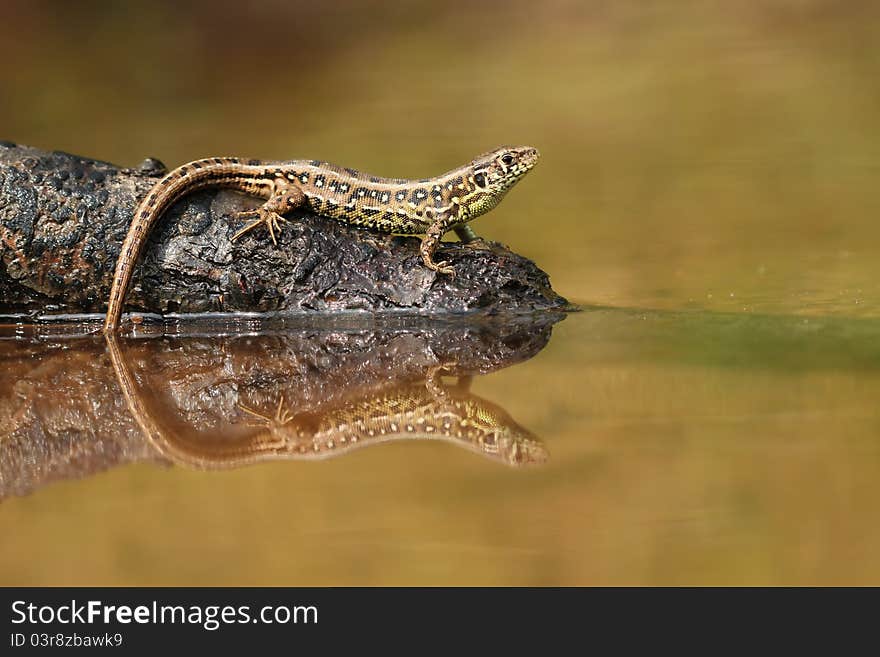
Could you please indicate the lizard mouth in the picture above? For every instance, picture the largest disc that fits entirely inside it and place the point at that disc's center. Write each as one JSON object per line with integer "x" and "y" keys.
{"x": 530, "y": 159}
{"x": 525, "y": 162}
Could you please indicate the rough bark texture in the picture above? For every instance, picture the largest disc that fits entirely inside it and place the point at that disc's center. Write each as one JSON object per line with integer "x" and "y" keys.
{"x": 63, "y": 414}
{"x": 63, "y": 219}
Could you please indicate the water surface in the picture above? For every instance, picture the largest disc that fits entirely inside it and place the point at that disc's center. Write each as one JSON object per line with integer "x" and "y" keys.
{"x": 659, "y": 448}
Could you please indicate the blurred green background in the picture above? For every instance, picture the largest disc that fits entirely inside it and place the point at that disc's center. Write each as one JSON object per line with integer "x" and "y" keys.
{"x": 696, "y": 153}
{"x": 715, "y": 157}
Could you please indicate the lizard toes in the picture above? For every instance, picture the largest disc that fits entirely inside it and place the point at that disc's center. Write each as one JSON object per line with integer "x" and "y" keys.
{"x": 444, "y": 268}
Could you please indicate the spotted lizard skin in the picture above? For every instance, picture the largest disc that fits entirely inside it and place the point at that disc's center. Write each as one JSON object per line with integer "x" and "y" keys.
{"x": 430, "y": 206}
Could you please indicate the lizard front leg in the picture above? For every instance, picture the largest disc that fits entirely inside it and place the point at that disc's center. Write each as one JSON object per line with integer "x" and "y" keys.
{"x": 434, "y": 381}
{"x": 285, "y": 198}
{"x": 466, "y": 234}
{"x": 429, "y": 245}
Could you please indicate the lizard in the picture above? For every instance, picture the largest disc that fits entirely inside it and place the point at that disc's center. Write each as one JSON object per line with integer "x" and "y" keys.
{"x": 429, "y": 206}
{"x": 426, "y": 410}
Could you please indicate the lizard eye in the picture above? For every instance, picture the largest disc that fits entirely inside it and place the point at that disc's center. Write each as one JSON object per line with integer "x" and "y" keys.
{"x": 507, "y": 159}
{"x": 480, "y": 179}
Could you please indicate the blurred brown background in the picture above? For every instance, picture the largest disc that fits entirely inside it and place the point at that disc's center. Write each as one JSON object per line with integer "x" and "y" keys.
{"x": 692, "y": 149}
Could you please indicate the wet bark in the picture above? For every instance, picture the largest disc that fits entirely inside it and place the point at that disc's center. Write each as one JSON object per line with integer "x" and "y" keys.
{"x": 63, "y": 219}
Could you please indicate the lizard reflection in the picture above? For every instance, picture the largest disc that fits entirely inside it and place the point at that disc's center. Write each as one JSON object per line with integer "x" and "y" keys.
{"x": 425, "y": 411}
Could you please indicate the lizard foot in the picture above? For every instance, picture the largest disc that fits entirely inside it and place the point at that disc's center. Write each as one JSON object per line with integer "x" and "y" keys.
{"x": 480, "y": 244}
{"x": 272, "y": 219}
{"x": 441, "y": 268}
{"x": 282, "y": 416}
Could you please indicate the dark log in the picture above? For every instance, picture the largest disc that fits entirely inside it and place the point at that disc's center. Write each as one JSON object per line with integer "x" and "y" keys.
{"x": 63, "y": 219}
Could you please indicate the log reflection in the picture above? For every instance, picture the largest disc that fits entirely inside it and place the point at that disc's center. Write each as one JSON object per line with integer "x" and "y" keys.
{"x": 72, "y": 408}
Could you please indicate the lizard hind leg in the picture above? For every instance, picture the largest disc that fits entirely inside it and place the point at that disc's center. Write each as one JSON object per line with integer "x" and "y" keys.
{"x": 285, "y": 198}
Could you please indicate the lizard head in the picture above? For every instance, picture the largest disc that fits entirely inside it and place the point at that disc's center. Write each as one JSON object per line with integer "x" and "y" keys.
{"x": 494, "y": 433}
{"x": 492, "y": 174}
